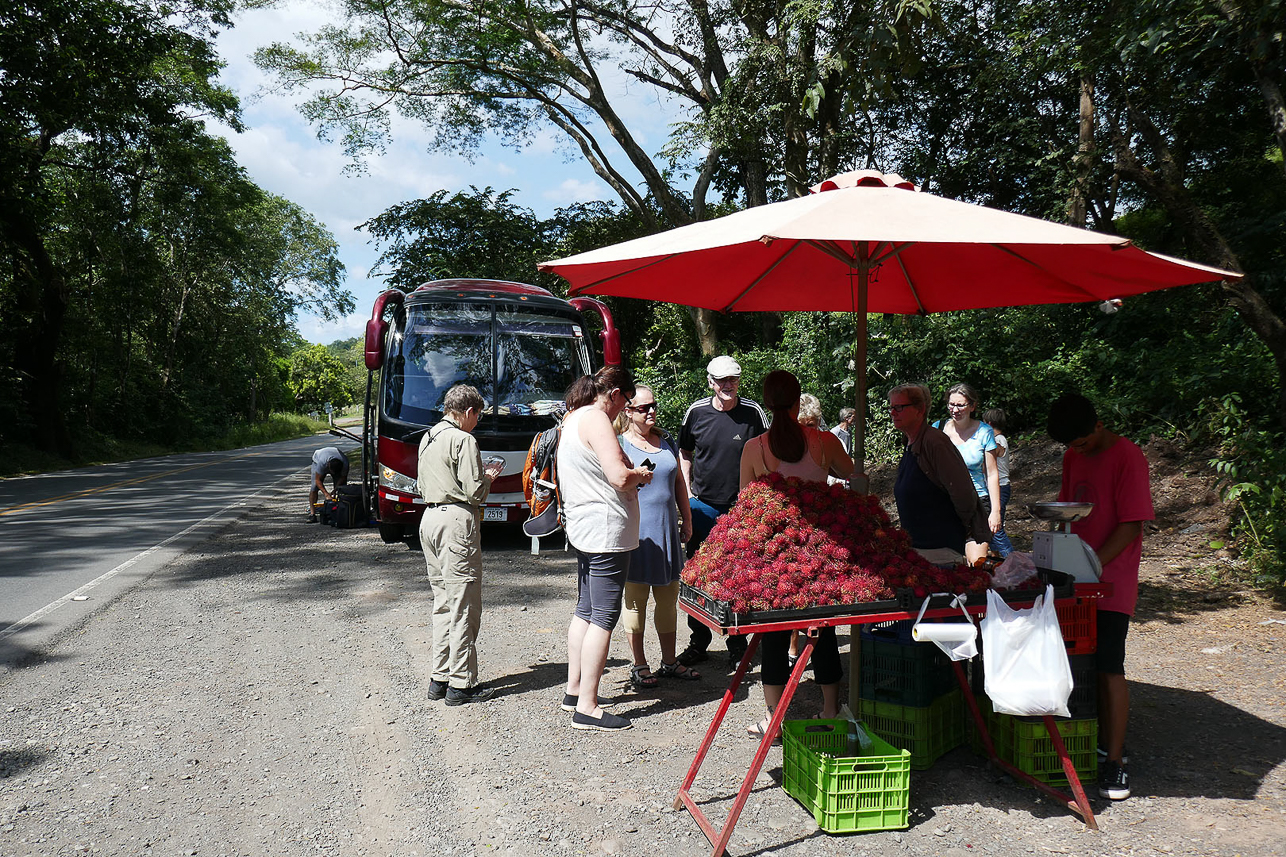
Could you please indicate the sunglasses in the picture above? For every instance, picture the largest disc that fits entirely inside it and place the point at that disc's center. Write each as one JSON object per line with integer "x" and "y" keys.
{"x": 643, "y": 409}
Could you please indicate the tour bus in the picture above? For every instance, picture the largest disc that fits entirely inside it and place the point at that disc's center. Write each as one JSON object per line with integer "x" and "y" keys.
{"x": 518, "y": 344}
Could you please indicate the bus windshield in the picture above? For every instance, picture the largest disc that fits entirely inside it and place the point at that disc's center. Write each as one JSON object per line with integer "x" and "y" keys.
{"x": 535, "y": 355}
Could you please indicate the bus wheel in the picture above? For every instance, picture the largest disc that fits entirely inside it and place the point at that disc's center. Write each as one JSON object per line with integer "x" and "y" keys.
{"x": 391, "y": 534}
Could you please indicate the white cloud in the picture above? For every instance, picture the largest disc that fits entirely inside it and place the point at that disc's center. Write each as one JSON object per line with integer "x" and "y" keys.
{"x": 575, "y": 190}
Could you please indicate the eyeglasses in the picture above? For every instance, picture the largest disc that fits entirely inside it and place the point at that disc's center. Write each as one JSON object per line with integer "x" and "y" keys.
{"x": 643, "y": 409}
{"x": 731, "y": 379}
{"x": 897, "y": 409}
{"x": 952, "y": 406}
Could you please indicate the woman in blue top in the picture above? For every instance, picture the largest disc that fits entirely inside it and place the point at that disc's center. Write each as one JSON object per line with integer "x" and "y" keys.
{"x": 977, "y": 444}
{"x": 665, "y": 524}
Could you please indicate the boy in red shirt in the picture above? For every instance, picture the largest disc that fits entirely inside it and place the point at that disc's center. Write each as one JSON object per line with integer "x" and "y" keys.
{"x": 1105, "y": 469}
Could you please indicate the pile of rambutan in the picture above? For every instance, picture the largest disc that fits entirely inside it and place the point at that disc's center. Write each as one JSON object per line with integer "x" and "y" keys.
{"x": 788, "y": 544}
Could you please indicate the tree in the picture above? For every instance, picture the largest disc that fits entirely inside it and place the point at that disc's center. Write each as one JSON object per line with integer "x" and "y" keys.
{"x": 479, "y": 233}
{"x": 96, "y": 72}
{"x": 318, "y": 377}
{"x": 738, "y": 72}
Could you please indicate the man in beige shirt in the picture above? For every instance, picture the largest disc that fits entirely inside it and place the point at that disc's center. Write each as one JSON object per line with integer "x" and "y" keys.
{"x": 454, "y": 484}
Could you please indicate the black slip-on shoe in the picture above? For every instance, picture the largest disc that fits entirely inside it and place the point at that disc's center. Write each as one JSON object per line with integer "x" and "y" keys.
{"x": 1114, "y": 782}
{"x": 569, "y": 702}
{"x": 608, "y": 722}
{"x": 437, "y": 689}
{"x": 477, "y": 693}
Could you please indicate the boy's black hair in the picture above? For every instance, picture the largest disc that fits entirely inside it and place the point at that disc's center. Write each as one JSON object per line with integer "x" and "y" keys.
{"x": 1070, "y": 417}
{"x": 995, "y": 417}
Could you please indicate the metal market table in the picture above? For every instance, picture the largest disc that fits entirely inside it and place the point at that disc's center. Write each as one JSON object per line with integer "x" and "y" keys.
{"x": 1077, "y": 802}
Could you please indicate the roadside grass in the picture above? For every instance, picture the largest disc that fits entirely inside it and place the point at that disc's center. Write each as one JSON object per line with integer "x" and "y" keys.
{"x": 95, "y": 448}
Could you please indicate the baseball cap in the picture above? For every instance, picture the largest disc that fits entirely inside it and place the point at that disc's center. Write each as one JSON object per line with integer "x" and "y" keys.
{"x": 723, "y": 366}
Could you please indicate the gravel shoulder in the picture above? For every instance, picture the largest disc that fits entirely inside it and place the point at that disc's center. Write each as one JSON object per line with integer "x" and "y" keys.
{"x": 265, "y": 694}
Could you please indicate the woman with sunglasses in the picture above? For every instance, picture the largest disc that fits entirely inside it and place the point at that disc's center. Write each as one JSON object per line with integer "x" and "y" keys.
{"x": 665, "y": 524}
{"x": 936, "y": 501}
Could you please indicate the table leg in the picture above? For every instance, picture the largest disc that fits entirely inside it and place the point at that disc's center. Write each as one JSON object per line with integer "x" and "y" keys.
{"x": 1080, "y": 805}
{"x": 719, "y": 839}
{"x": 728, "y": 696}
{"x": 1073, "y": 779}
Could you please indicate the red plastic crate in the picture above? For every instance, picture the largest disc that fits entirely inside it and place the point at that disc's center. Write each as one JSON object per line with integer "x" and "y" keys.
{"x": 1078, "y": 619}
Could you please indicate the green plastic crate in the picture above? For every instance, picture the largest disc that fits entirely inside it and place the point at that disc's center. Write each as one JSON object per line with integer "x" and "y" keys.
{"x": 1026, "y": 745}
{"x": 845, "y": 794}
{"x": 927, "y": 732}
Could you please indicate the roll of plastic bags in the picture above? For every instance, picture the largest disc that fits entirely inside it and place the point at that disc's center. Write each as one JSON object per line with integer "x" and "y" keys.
{"x": 1025, "y": 659}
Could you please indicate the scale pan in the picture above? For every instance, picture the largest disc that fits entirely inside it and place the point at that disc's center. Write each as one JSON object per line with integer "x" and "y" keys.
{"x": 1054, "y": 511}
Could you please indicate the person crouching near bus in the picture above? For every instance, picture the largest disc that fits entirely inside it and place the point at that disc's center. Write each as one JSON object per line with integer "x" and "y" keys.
{"x": 599, "y": 489}
{"x": 454, "y": 484}
{"x": 327, "y": 461}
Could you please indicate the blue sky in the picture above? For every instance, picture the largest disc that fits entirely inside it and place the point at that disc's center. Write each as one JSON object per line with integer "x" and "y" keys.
{"x": 283, "y": 155}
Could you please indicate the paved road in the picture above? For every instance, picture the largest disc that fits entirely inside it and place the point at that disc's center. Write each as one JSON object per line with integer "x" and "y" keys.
{"x": 66, "y": 537}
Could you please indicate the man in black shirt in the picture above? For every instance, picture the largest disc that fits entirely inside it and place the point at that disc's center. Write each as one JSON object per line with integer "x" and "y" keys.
{"x": 714, "y": 431}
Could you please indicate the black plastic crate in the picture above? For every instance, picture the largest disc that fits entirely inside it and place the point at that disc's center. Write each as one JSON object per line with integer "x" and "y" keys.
{"x": 911, "y": 674}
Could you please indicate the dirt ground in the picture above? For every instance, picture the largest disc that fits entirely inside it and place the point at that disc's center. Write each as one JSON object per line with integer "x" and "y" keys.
{"x": 265, "y": 695}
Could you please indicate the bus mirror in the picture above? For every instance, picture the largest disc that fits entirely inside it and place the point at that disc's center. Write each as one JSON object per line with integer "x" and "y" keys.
{"x": 376, "y": 329}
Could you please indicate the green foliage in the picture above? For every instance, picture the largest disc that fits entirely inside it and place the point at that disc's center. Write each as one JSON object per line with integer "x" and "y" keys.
{"x": 97, "y": 448}
{"x": 147, "y": 287}
{"x": 352, "y": 353}
{"x": 317, "y": 378}
{"x": 1251, "y": 463}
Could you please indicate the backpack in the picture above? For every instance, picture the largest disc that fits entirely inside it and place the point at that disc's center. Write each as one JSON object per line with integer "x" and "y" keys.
{"x": 540, "y": 484}
{"x": 346, "y": 511}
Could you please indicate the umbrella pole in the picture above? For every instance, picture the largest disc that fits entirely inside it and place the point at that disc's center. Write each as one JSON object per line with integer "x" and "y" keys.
{"x": 859, "y": 480}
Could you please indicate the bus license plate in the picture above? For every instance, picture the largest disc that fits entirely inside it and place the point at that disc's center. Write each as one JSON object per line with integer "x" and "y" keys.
{"x": 495, "y": 514}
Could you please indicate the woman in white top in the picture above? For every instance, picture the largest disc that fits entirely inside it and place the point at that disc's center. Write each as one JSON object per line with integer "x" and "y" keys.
{"x": 794, "y": 450}
{"x": 599, "y": 491}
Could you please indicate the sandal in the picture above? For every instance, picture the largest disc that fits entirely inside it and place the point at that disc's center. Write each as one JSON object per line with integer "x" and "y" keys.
{"x": 642, "y": 678}
{"x": 756, "y": 731}
{"x": 678, "y": 670}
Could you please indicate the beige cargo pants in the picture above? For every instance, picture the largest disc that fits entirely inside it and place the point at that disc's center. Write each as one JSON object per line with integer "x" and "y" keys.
{"x": 453, "y": 552}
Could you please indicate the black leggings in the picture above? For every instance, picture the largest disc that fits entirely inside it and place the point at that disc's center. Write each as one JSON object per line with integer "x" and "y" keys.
{"x": 775, "y": 666}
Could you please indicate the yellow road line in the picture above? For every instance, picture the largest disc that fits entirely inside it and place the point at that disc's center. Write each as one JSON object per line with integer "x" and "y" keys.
{"x": 75, "y": 495}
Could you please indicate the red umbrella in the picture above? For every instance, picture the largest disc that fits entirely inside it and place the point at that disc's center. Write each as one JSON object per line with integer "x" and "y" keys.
{"x": 866, "y": 242}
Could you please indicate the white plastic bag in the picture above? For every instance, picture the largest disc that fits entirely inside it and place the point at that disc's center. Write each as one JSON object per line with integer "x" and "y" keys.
{"x": 956, "y": 639}
{"x": 1027, "y": 671}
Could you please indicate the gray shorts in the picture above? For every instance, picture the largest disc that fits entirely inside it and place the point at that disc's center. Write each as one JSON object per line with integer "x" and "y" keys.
{"x": 600, "y": 587}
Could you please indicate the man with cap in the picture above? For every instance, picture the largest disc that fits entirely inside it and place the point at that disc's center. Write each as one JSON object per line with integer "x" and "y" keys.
{"x": 714, "y": 431}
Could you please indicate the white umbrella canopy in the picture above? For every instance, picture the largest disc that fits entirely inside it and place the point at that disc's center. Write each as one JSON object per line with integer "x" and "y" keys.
{"x": 866, "y": 242}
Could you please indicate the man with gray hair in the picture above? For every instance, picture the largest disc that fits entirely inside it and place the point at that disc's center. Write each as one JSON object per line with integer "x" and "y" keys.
{"x": 454, "y": 484}
{"x": 843, "y": 430}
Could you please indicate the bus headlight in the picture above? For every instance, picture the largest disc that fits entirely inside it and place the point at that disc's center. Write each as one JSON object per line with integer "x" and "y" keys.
{"x": 390, "y": 478}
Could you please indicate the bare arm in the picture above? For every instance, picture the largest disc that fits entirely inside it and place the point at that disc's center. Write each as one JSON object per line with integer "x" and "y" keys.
{"x": 1119, "y": 539}
{"x": 685, "y": 467}
{"x": 837, "y": 458}
{"x": 752, "y": 462}
{"x": 685, "y": 508}
{"x": 992, "y": 469}
{"x": 597, "y": 433}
